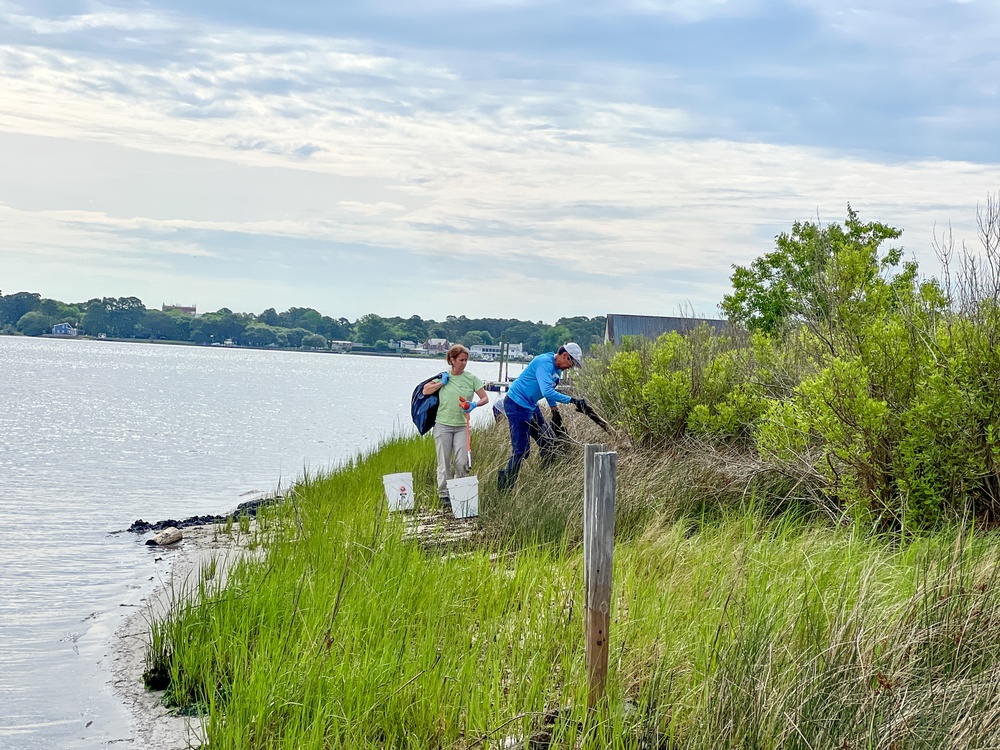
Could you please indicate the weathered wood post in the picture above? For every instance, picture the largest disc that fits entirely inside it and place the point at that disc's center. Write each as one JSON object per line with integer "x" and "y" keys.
{"x": 503, "y": 344}
{"x": 600, "y": 474}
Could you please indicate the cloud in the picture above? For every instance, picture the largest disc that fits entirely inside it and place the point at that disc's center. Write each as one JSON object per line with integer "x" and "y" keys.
{"x": 526, "y": 182}
{"x": 798, "y": 72}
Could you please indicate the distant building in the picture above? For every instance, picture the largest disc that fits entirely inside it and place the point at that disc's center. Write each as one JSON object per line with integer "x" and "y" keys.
{"x": 490, "y": 352}
{"x": 403, "y": 345}
{"x": 191, "y": 310}
{"x": 437, "y": 346}
{"x": 653, "y": 326}
{"x": 340, "y": 346}
{"x": 63, "y": 329}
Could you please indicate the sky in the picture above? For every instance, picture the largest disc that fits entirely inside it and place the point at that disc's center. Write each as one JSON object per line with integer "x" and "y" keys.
{"x": 528, "y": 159}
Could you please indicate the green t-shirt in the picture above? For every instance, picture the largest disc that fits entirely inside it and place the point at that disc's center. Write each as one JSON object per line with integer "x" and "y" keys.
{"x": 449, "y": 412}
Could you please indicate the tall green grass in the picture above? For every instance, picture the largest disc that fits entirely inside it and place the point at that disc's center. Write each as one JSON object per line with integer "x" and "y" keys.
{"x": 730, "y": 628}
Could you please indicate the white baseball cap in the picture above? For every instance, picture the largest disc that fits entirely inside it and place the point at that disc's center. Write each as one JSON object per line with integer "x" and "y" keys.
{"x": 575, "y": 353}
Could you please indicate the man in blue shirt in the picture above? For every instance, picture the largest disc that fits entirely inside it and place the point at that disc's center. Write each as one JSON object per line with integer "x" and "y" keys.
{"x": 538, "y": 380}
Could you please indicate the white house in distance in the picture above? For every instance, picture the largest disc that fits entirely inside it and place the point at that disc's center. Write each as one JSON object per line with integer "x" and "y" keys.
{"x": 490, "y": 352}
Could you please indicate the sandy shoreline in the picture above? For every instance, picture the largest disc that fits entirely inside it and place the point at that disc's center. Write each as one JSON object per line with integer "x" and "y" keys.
{"x": 153, "y": 724}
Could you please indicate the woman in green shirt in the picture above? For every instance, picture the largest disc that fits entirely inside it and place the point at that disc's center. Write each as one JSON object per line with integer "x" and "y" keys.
{"x": 449, "y": 427}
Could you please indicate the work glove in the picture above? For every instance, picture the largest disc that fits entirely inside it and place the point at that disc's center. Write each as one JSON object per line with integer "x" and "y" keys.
{"x": 470, "y": 405}
{"x": 444, "y": 377}
{"x": 579, "y": 403}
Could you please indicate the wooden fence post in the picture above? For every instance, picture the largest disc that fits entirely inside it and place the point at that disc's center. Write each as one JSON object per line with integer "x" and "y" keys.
{"x": 600, "y": 476}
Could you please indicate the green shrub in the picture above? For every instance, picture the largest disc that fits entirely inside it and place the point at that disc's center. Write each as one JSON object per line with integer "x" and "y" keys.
{"x": 694, "y": 383}
{"x": 859, "y": 379}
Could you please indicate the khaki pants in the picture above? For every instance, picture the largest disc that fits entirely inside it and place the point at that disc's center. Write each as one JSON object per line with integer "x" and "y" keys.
{"x": 452, "y": 455}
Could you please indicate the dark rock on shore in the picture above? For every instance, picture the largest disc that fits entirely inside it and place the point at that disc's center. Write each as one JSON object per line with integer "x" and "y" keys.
{"x": 249, "y": 508}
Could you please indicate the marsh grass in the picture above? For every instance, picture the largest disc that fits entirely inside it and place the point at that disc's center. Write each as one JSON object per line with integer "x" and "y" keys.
{"x": 733, "y": 627}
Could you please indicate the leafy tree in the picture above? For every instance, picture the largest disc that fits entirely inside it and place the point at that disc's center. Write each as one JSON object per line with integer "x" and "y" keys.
{"x": 216, "y": 327}
{"x": 313, "y": 341}
{"x": 583, "y": 330}
{"x": 811, "y": 274}
{"x": 372, "y": 328}
{"x": 301, "y": 317}
{"x": 269, "y": 317}
{"x": 476, "y": 338}
{"x": 526, "y": 333}
{"x": 95, "y": 317}
{"x": 172, "y": 325}
{"x": 125, "y": 314}
{"x": 472, "y": 338}
{"x": 294, "y": 336}
{"x": 119, "y": 317}
{"x": 34, "y": 323}
{"x": 413, "y": 329}
{"x": 60, "y": 311}
{"x": 14, "y": 306}
{"x": 259, "y": 334}
{"x": 554, "y": 337}
{"x": 336, "y": 330}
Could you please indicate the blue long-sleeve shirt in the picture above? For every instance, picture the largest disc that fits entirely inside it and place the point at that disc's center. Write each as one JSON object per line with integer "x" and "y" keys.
{"x": 538, "y": 380}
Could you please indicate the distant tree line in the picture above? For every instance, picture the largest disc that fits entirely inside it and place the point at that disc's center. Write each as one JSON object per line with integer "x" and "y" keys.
{"x": 30, "y": 314}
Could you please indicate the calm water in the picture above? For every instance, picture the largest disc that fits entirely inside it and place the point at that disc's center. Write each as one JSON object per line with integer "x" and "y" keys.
{"x": 94, "y": 435}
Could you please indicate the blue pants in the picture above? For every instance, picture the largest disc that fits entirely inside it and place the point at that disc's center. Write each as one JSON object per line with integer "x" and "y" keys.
{"x": 525, "y": 425}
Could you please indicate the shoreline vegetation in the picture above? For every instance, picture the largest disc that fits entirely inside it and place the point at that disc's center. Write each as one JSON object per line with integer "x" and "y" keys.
{"x": 806, "y": 545}
{"x": 732, "y": 625}
{"x": 298, "y": 328}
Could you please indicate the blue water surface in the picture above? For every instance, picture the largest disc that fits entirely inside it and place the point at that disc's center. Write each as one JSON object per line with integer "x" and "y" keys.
{"x": 97, "y": 434}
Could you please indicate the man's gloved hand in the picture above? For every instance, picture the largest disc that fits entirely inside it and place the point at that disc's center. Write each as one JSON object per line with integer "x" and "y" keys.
{"x": 444, "y": 377}
{"x": 470, "y": 405}
{"x": 579, "y": 403}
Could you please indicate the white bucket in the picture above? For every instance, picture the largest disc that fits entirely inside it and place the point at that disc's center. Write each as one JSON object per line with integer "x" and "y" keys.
{"x": 464, "y": 494}
{"x": 399, "y": 491}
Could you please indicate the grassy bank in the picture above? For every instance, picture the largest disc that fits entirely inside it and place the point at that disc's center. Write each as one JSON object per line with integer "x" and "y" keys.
{"x": 732, "y": 626}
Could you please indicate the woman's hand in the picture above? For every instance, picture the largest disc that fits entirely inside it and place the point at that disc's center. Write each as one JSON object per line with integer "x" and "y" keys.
{"x": 433, "y": 386}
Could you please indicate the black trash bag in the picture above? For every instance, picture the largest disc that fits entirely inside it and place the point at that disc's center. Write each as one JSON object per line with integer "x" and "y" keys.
{"x": 424, "y": 409}
{"x": 588, "y": 410}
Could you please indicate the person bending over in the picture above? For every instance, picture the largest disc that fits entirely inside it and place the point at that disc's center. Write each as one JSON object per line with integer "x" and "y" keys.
{"x": 537, "y": 381}
{"x": 449, "y": 428}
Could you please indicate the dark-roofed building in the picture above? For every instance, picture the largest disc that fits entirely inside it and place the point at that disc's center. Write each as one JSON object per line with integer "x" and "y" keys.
{"x": 653, "y": 326}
